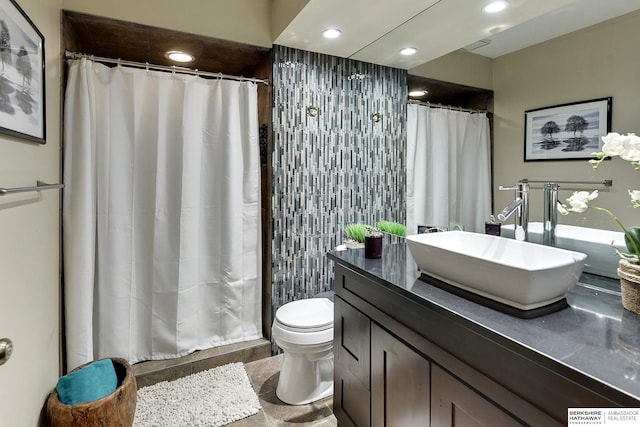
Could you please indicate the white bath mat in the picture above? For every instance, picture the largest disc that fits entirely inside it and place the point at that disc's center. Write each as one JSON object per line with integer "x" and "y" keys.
{"x": 207, "y": 399}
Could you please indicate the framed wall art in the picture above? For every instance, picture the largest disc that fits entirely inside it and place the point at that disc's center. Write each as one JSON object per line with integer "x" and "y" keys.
{"x": 566, "y": 132}
{"x": 22, "y": 95}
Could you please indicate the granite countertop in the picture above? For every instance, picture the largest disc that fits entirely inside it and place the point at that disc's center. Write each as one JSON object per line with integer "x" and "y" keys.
{"x": 594, "y": 336}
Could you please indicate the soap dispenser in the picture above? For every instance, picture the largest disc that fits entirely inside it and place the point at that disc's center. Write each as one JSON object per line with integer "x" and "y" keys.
{"x": 492, "y": 227}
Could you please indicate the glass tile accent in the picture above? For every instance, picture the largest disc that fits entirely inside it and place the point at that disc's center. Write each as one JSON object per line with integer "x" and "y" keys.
{"x": 337, "y": 168}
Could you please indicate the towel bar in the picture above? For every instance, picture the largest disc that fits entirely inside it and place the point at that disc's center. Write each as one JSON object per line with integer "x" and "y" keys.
{"x": 606, "y": 182}
{"x": 38, "y": 187}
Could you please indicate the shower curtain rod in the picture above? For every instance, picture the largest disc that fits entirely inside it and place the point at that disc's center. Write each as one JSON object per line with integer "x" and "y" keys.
{"x": 447, "y": 107}
{"x": 171, "y": 68}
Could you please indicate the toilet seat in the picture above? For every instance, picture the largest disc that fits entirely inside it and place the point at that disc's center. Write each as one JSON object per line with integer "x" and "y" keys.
{"x": 308, "y": 315}
{"x": 304, "y": 322}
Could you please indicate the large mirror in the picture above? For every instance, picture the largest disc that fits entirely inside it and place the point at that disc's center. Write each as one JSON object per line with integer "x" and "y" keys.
{"x": 595, "y": 62}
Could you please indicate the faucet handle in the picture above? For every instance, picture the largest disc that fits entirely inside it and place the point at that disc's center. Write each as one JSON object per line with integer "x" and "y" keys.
{"x": 522, "y": 187}
{"x": 561, "y": 209}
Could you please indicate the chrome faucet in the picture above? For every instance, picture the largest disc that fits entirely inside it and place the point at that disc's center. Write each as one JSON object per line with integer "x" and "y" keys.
{"x": 550, "y": 214}
{"x": 520, "y": 205}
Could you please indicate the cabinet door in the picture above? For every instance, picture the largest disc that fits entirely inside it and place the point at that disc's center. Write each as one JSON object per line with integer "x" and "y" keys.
{"x": 455, "y": 404}
{"x": 399, "y": 383}
{"x": 351, "y": 347}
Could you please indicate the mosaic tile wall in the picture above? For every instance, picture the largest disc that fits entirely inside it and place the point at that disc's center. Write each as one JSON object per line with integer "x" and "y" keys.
{"x": 333, "y": 169}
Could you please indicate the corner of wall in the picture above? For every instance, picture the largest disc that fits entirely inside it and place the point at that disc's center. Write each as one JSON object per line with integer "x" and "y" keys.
{"x": 454, "y": 67}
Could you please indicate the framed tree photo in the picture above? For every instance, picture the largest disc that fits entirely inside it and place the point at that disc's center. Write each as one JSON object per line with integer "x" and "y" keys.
{"x": 22, "y": 95}
{"x": 567, "y": 131}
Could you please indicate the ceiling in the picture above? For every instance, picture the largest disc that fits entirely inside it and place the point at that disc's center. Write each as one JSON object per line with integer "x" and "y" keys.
{"x": 375, "y": 30}
{"x": 372, "y": 31}
{"x": 434, "y": 27}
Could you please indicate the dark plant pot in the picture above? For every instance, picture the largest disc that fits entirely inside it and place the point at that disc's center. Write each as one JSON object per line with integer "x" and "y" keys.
{"x": 373, "y": 247}
{"x": 492, "y": 229}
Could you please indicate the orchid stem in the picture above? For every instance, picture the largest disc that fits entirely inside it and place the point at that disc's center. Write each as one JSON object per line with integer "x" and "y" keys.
{"x": 616, "y": 219}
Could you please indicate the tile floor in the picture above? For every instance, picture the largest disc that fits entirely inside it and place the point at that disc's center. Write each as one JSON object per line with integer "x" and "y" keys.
{"x": 263, "y": 372}
{"x": 264, "y": 378}
{"x": 151, "y": 372}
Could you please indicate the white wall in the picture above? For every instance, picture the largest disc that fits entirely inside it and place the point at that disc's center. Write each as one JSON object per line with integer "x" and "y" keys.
{"x": 29, "y": 247}
{"x": 245, "y": 21}
{"x": 597, "y": 62}
{"x": 282, "y": 13}
{"x": 455, "y": 68}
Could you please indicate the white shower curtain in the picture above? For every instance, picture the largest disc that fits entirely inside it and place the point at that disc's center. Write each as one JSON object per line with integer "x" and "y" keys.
{"x": 448, "y": 168}
{"x": 161, "y": 213}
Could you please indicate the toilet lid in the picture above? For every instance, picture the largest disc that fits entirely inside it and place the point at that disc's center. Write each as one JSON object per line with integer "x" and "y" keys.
{"x": 310, "y": 313}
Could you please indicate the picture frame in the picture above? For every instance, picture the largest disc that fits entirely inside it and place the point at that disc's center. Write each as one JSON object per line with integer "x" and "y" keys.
{"x": 567, "y": 131}
{"x": 22, "y": 75}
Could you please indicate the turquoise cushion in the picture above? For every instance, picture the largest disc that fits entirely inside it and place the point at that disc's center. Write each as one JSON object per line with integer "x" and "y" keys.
{"x": 89, "y": 383}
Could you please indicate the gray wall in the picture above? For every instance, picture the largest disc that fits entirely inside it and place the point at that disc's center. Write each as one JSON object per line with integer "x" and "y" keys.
{"x": 334, "y": 169}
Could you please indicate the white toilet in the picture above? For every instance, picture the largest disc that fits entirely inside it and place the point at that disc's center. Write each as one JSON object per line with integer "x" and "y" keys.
{"x": 303, "y": 329}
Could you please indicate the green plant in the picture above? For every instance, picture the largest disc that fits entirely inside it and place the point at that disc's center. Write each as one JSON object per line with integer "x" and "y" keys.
{"x": 392, "y": 228}
{"x": 356, "y": 232}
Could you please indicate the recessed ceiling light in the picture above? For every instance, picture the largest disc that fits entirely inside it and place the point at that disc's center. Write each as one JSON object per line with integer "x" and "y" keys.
{"x": 178, "y": 56}
{"x": 331, "y": 33}
{"x": 408, "y": 51}
{"x": 495, "y": 6}
{"x": 417, "y": 93}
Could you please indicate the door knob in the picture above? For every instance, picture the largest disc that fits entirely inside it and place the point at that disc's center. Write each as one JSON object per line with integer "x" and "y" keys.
{"x": 6, "y": 348}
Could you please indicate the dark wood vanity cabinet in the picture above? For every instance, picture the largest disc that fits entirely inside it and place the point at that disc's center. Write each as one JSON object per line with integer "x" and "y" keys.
{"x": 388, "y": 375}
{"x": 456, "y": 404}
{"x": 400, "y": 382}
{"x": 389, "y": 384}
{"x": 351, "y": 350}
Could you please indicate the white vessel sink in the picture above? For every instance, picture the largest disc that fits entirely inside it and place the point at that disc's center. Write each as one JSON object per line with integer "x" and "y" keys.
{"x": 599, "y": 245}
{"x": 523, "y": 275}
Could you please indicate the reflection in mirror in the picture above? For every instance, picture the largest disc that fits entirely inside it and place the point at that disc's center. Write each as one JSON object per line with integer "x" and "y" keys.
{"x": 448, "y": 157}
{"x": 543, "y": 75}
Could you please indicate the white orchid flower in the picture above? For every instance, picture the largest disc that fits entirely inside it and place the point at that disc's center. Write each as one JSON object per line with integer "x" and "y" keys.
{"x": 631, "y": 150}
{"x": 635, "y": 197}
{"x": 579, "y": 201}
{"x": 613, "y": 144}
{"x": 626, "y": 146}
